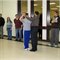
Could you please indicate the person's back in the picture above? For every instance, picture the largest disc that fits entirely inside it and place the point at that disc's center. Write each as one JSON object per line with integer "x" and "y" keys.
{"x": 35, "y": 22}
{"x": 2, "y": 22}
{"x": 34, "y": 31}
{"x": 26, "y": 24}
{"x": 26, "y": 30}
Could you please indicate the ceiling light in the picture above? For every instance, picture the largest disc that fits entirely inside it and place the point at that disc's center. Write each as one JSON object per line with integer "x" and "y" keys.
{"x": 35, "y": 4}
{"x": 57, "y": 6}
{"x": 53, "y": 3}
{"x": 35, "y": 0}
{"x": 54, "y": 8}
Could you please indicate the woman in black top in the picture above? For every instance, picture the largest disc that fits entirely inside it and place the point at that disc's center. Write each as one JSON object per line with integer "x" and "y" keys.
{"x": 55, "y": 22}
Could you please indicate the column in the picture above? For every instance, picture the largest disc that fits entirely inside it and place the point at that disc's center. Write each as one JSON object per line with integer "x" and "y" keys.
{"x": 29, "y": 7}
{"x": 44, "y": 19}
{"x": 59, "y": 15}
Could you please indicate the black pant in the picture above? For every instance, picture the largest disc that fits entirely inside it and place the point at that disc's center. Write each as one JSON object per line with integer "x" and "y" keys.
{"x": 1, "y": 32}
{"x": 40, "y": 33}
{"x": 34, "y": 31}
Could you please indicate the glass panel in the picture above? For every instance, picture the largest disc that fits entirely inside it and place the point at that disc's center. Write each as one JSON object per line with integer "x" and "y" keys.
{"x": 54, "y": 5}
{"x": 23, "y": 5}
{"x": 38, "y": 5}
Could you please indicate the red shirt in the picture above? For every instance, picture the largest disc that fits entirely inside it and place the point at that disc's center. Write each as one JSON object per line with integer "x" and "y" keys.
{"x": 18, "y": 23}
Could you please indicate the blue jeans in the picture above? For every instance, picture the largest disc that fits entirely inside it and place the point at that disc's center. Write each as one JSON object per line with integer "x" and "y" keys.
{"x": 18, "y": 34}
{"x": 26, "y": 38}
{"x": 9, "y": 31}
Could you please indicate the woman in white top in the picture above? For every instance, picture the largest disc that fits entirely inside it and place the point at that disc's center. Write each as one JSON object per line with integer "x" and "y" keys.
{"x": 26, "y": 30}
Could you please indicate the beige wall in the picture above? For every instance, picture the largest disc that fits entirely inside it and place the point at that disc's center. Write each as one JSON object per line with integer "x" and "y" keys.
{"x": 0, "y": 6}
{"x": 8, "y": 8}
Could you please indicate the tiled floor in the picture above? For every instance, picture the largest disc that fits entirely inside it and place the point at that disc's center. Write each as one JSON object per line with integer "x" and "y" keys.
{"x": 12, "y": 50}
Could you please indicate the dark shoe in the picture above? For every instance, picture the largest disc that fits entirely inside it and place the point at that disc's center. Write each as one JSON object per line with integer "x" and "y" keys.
{"x": 33, "y": 50}
{"x": 16, "y": 40}
{"x": 20, "y": 40}
{"x": 7, "y": 38}
{"x": 52, "y": 46}
{"x": 10, "y": 39}
{"x": 2, "y": 38}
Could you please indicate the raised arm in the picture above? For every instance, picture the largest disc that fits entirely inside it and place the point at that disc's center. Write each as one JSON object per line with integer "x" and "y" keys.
{"x": 21, "y": 19}
{"x": 30, "y": 18}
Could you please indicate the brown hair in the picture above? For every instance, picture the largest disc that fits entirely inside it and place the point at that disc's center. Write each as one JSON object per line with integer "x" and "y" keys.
{"x": 56, "y": 11}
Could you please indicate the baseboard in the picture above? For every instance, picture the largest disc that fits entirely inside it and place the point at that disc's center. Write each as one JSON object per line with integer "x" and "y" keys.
{"x": 38, "y": 39}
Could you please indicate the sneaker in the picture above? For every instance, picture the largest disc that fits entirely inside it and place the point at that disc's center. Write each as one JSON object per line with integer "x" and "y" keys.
{"x": 56, "y": 46}
{"x": 16, "y": 40}
{"x": 26, "y": 49}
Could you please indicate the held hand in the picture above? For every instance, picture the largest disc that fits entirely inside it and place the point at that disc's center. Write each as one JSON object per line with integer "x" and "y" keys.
{"x": 21, "y": 17}
{"x": 53, "y": 21}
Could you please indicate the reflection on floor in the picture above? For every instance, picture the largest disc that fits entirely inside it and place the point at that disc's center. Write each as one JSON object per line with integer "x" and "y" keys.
{"x": 12, "y": 50}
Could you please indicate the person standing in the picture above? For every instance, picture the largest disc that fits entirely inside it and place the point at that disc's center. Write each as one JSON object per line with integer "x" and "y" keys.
{"x": 40, "y": 25}
{"x": 2, "y": 22}
{"x": 55, "y": 30}
{"x": 9, "y": 28}
{"x": 26, "y": 30}
{"x": 34, "y": 31}
{"x": 18, "y": 27}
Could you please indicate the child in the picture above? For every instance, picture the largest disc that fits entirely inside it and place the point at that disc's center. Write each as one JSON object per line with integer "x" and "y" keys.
{"x": 26, "y": 30}
{"x": 18, "y": 27}
{"x": 9, "y": 28}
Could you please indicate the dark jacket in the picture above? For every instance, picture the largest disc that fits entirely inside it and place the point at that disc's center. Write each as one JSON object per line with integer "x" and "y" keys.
{"x": 2, "y": 21}
{"x": 40, "y": 20}
{"x": 34, "y": 20}
{"x": 56, "y": 24}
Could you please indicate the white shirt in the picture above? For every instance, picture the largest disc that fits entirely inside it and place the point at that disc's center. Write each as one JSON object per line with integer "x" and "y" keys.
{"x": 26, "y": 24}
{"x": 55, "y": 20}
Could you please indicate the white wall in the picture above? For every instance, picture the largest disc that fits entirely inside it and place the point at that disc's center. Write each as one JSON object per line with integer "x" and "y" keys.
{"x": 8, "y": 8}
{"x": 0, "y": 6}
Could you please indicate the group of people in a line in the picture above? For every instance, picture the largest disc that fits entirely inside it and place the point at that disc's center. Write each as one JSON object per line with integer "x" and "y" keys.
{"x": 27, "y": 27}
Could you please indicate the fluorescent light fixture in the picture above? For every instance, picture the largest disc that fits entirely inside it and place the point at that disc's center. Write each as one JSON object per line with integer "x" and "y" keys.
{"x": 53, "y": 3}
{"x": 35, "y": 0}
{"x": 58, "y": 6}
{"x": 54, "y": 8}
{"x": 35, "y": 4}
